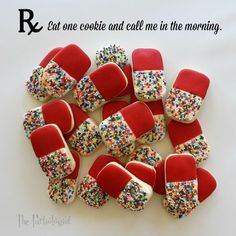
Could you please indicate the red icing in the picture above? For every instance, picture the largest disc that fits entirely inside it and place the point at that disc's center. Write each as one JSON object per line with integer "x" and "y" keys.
{"x": 193, "y": 82}
{"x": 46, "y": 139}
{"x": 156, "y": 107}
{"x": 59, "y": 113}
{"x": 75, "y": 172}
{"x": 111, "y": 108}
{"x": 49, "y": 56}
{"x": 142, "y": 172}
{"x": 100, "y": 163}
{"x": 128, "y": 73}
{"x": 159, "y": 186}
{"x": 109, "y": 80}
{"x": 180, "y": 167}
{"x": 79, "y": 117}
{"x": 113, "y": 179}
{"x": 73, "y": 60}
{"x": 147, "y": 59}
{"x": 182, "y": 132}
{"x": 206, "y": 184}
{"x": 139, "y": 118}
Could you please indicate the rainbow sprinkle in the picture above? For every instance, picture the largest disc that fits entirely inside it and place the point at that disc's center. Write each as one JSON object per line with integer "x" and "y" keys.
{"x": 87, "y": 95}
{"x": 91, "y": 193}
{"x": 62, "y": 190}
{"x": 149, "y": 85}
{"x": 146, "y": 155}
{"x": 33, "y": 119}
{"x": 157, "y": 133}
{"x": 197, "y": 146}
{"x": 35, "y": 87}
{"x": 181, "y": 197}
{"x": 115, "y": 132}
{"x": 133, "y": 196}
{"x": 112, "y": 53}
{"x": 86, "y": 138}
{"x": 57, "y": 82}
{"x": 57, "y": 164}
{"x": 182, "y": 105}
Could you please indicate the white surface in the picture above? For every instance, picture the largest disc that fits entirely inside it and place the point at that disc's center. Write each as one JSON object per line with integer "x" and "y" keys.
{"x": 24, "y": 186}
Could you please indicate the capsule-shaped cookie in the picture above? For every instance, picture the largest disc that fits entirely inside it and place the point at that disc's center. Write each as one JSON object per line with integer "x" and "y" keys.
{"x": 189, "y": 138}
{"x": 186, "y": 96}
{"x": 148, "y": 74}
{"x": 64, "y": 70}
{"x": 56, "y": 112}
{"x": 101, "y": 86}
{"x": 34, "y": 84}
{"x": 52, "y": 151}
{"x": 129, "y": 191}
{"x": 125, "y": 126}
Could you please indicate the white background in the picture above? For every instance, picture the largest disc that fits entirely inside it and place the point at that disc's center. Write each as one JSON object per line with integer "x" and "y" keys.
{"x": 24, "y": 186}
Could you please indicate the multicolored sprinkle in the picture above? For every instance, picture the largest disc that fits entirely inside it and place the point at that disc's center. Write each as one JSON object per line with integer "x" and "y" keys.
{"x": 181, "y": 197}
{"x": 149, "y": 85}
{"x": 112, "y": 53}
{"x": 115, "y": 132}
{"x": 133, "y": 196}
{"x": 33, "y": 119}
{"x": 86, "y": 138}
{"x": 146, "y": 155}
{"x": 87, "y": 95}
{"x": 57, "y": 164}
{"x": 124, "y": 151}
{"x": 35, "y": 87}
{"x": 57, "y": 82}
{"x": 157, "y": 133}
{"x": 91, "y": 193}
{"x": 182, "y": 105}
{"x": 62, "y": 190}
{"x": 197, "y": 146}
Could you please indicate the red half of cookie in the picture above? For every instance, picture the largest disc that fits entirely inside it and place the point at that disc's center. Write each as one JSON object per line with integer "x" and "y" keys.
{"x": 111, "y": 108}
{"x": 49, "y": 56}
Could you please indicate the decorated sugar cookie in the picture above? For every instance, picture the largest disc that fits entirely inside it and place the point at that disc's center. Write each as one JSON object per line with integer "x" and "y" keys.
{"x": 56, "y": 112}
{"x": 63, "y": 72}
{"x": 189, "y": 138}
{"x": 52, "y": 151}
{"x": 148, "y": 74}
{"x": 186, "y": 96}
{"x": 129, "y": 191}
{"x": 101, "y": 86}
{"x": 34, "y": 84}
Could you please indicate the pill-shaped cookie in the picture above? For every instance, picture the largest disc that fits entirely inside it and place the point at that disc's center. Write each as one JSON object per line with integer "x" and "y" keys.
{"x": 125, "y": 126}
{"x": 64, "y": 70}
{"x": 56, "y": 112}
{"x": 89, "y": 190}
{"x": 186, "y": 95}
{"x": 101, "y": 86}
{"x": 52, "y": 151}
{"x": 181, "y": 185}
{"x": 189, "y": 138}
{"x": 85, "y": 137}
{"x": 148, "y": 74}
{"x": 34, "y": 85}
{"x": 129, "y": 191}
{"x": 63, "y": 190}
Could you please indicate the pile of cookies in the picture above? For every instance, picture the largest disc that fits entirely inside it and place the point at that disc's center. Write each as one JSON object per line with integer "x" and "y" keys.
{"x": 61, "y": 132}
